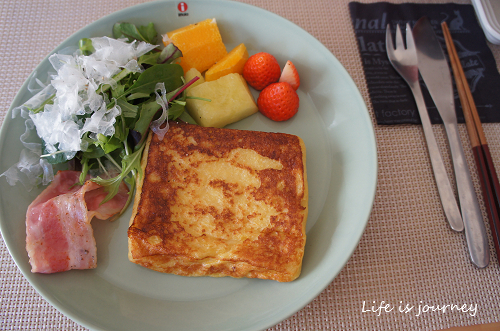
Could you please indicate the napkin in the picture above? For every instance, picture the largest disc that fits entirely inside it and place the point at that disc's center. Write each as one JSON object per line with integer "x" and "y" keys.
{"x": 391, "y": 97}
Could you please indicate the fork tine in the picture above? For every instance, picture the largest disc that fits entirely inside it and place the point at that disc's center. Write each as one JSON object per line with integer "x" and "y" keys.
{"x": 410, "y": 43}
{"x": 399, "y": 38}
{"x": 388, "y": 40}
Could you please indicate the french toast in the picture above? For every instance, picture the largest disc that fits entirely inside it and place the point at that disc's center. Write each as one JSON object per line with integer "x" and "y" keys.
{"x": 221, "y": 202}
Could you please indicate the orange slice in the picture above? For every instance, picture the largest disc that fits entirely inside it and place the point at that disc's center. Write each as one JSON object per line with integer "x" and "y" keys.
{"x": 201, "y": 44}
{"x": 232, "y": 63}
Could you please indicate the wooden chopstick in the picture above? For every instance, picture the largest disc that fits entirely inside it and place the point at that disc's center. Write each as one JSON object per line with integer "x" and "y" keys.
{"x": 486, "y": 169}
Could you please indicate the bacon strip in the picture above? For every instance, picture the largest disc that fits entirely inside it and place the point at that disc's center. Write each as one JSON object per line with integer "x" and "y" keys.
{"x": 58, "y": 232}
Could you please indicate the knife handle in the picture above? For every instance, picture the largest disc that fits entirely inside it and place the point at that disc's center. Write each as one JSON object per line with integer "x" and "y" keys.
{"x": 448, "y": 200}
{"x": 475, "y": 230}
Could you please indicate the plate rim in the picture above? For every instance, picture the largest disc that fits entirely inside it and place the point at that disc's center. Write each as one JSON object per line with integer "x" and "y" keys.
{"x": 50, "y": 297}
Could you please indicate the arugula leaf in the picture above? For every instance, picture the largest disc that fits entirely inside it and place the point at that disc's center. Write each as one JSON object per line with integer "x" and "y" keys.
{"x": 108, "y": 144}
{"x": 128, "y": 109}
{"x": 118, "y": 90}
{"x": 174, "y": 111}
{"x": 169, "y": 54}
{"x": 145, "y": 33}
{"x": 169, "y": 74}
{"x": 148, "y": 111}
{"x": 94, "y": 152}
{"x": 121, "y": 130}
{"x": 149, "y": 58}
{"x": 130, "y": 31}
{"x": 85, "y": 169}
{"x": 117, "y": 32}
{"x": 131, "y": 162}
{"x": 139, "y": 95}
{"x": 149, "y": 33}
{"x": 131, "y": 182}
{"x": 187, "y": 118}
{"x": 85, "y": 45}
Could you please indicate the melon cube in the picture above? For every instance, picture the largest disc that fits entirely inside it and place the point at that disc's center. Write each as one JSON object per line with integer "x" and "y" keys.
{"x": 231, "y": 101}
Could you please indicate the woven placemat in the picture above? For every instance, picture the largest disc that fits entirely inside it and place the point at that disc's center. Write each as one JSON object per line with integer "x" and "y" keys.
{"x": 407, "y": 255}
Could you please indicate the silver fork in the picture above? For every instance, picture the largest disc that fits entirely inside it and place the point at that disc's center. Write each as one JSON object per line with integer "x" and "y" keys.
{"x": 405, "y": 61}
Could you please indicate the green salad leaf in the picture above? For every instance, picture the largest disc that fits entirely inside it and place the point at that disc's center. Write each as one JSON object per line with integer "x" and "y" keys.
{"x": 133, "y": 95}
{"x": 169, "y": 74}
{"x": 85, "y": 45}
{"x": 145, "y": 33}
{"x": 130, "y": 163}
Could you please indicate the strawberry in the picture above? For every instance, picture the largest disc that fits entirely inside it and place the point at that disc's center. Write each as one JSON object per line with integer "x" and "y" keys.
{"x": 261, "y": 69}
{"x": 278, "y": 101}
{"x": 290, "y": 75}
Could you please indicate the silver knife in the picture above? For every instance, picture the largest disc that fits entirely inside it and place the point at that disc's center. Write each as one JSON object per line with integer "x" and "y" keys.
{"x": 436, "y": 74}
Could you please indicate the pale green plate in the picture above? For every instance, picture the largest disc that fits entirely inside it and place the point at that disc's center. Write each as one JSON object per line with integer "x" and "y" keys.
{"x": 341, "y": 167}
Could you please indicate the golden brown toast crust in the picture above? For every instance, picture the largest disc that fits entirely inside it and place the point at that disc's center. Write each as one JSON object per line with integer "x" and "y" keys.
{"x": 221, "y": 202}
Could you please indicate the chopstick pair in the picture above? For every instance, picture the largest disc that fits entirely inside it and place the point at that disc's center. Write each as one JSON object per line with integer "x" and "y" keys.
{"x": 486, "y": 169}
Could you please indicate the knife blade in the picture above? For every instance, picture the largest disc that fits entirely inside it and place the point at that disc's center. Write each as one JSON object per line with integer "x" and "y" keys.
{"x": 435, "y": 72}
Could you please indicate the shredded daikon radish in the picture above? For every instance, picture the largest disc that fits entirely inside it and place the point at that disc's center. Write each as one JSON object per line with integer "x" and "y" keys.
{"x": 78, "y": 78}
{"x": 75, "y": 85}
{"x": 161, "y": 99}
